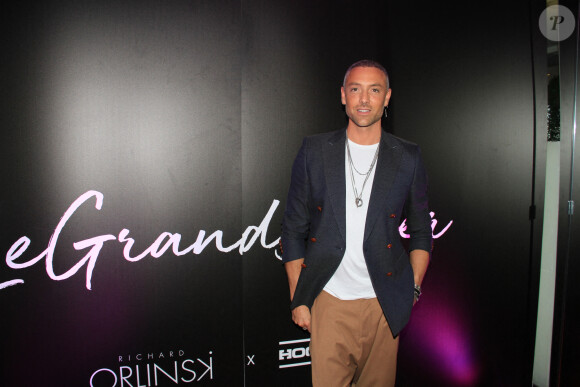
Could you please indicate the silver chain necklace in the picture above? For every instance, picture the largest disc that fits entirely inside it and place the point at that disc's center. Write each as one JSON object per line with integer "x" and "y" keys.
{"x": 358, "y": 197}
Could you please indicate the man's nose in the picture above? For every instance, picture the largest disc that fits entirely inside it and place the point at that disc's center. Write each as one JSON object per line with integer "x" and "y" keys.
{"x": 364, "y": 96}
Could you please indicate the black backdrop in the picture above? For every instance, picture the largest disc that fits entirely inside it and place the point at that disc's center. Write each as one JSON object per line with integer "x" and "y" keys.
{"x": 185, "y": 117}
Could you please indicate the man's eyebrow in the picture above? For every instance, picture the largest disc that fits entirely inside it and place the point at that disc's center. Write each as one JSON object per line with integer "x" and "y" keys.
{"x": 359, "y": 84}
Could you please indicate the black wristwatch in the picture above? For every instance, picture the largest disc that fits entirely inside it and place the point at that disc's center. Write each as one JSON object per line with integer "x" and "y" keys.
{"x": 417, "y": 289}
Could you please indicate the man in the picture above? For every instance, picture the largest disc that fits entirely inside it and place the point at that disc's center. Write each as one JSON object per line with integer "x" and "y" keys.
{"x": 352, "y": 284}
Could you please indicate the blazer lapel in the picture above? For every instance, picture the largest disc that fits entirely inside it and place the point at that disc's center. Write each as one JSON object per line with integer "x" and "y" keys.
{"x": 387, "y": 167}
{"x": 333, "y": 155}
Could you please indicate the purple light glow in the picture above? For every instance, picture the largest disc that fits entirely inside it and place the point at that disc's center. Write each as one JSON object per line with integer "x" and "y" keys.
{"x": 445, "y": 344}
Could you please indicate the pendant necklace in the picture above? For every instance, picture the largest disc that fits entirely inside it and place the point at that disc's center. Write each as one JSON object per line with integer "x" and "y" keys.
{"x": 358, "y": 196}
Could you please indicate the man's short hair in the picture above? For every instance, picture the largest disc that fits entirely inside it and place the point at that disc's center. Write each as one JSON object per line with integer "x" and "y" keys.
{"x": 366, "y": 63}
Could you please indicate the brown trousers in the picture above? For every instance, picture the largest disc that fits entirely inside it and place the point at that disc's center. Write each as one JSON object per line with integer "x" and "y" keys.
{"x": 351, "y": 343}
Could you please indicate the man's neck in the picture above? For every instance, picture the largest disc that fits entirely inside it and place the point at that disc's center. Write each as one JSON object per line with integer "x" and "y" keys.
{"x": 364, "y": 135}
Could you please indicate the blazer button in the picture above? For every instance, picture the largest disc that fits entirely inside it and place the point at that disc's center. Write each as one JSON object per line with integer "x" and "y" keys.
{"x": 303, "y": 265}
{"x": 319, "y": 208}
{"x": 389, "y": 274}
{"x": 389, "y": 246}
{"x": 313, "y": 239}
{"x": 392, "y": 216}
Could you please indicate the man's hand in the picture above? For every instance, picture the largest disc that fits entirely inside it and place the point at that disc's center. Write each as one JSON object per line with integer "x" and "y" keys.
{"x": 300, "y": 314}
{"x": 419, "y": 262}
{"x": 301, "y": 317}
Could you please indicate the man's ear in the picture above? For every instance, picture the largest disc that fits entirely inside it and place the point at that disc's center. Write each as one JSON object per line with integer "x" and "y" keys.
{"x": 388, "y": 97}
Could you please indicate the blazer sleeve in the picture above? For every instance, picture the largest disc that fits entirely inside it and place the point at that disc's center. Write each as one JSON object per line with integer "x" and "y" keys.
{"x": 296, "y": 220}
{"x": 417, "y": 209}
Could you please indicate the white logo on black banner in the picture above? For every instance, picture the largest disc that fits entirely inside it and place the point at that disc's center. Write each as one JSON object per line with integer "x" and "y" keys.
{"x": 165, "y": 242}
{"x": 151, "y": 369}
{"x": 294, "y": 353}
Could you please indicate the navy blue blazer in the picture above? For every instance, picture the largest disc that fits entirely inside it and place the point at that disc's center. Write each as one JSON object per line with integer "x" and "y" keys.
{"x": 314, "y": 223}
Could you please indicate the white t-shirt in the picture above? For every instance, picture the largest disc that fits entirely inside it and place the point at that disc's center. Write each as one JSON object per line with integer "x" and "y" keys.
{"x": 351, "y": 281}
